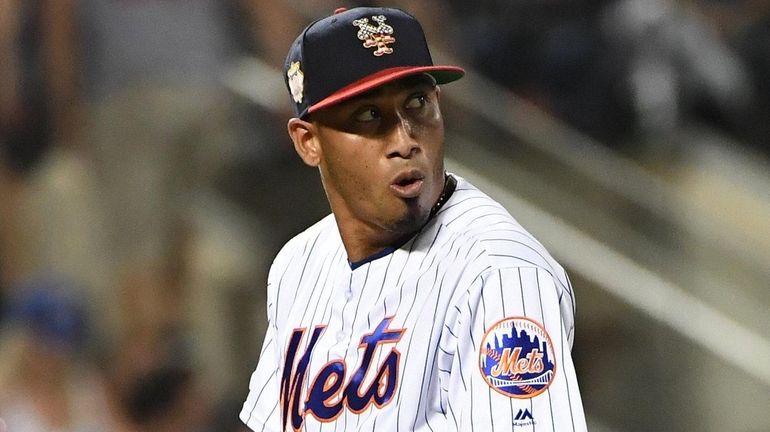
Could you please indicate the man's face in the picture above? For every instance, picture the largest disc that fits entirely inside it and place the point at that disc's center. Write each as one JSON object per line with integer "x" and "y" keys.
{"x": 382, "y": 155}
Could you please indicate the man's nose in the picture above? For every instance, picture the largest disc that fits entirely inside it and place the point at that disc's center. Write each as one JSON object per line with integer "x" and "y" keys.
{"x": 403, "y": 138}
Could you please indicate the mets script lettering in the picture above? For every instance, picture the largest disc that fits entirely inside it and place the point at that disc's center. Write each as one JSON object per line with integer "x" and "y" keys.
{"x": 329, "y": 392}
{"x": 512, "y": 363}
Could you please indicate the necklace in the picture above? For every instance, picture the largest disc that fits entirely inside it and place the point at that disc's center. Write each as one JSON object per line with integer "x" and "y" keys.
{"x": 450, "y": 183}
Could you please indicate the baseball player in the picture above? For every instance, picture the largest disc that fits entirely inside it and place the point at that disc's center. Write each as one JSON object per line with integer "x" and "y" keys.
{"x": 419, "y": 304}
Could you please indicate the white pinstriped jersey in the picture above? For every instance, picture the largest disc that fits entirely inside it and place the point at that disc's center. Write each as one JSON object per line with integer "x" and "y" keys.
{"x": 466, "y": 327}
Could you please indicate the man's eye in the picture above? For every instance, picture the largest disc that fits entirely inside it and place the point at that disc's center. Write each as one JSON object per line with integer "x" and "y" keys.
{"x": 417, "y": 102}
{"x": 368, "y": 115}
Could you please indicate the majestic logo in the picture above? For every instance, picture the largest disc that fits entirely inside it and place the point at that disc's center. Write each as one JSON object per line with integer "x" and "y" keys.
{"x": 379, "y": 36}
{"x": 516, "y": 358}
{"x": 524, "y": 418}
{"x": 524, "y": 414}
{"x": 329, "y": 392}
{"x": 296, "y": 81}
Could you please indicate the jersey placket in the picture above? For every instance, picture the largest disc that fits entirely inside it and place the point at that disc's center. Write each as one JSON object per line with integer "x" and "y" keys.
{"x": 343, "y": 317}
{"x": 351, "y": 295}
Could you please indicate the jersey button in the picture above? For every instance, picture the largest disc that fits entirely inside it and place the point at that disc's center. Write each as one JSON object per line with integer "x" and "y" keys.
{"x": 348, "y": 295}
{"x": 340, "y": 336}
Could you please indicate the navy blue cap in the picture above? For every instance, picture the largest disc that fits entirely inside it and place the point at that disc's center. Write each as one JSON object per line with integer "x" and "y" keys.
{"x": 356, "y": 50}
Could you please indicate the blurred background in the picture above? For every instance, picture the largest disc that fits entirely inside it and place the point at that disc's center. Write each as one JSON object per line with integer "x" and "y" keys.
{"x": 147, "y": 181}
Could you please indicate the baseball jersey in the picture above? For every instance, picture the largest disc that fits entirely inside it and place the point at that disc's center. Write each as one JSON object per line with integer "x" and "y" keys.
{"x": 467, "y": 326}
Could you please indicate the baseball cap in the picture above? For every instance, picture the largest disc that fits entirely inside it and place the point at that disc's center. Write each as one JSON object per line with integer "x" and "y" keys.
{"x": 356, "y": 50}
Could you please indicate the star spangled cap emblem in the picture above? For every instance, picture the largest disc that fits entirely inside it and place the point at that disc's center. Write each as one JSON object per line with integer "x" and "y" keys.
{"x": 379, "y": 36}
{"x": 336, "y": 62}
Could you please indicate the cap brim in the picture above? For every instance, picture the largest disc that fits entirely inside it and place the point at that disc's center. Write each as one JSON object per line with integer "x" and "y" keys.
{"x": 442, "y": 75}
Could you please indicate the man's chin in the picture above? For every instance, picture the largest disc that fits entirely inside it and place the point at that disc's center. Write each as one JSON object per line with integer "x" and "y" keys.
{"x": 411, "y": 221}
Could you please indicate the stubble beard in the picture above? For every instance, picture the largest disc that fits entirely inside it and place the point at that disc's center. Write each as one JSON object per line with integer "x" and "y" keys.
{"x": 411, "y": 221}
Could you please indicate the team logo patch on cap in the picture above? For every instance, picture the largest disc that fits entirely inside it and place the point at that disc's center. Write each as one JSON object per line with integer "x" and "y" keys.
{"x": 516, "y": 358}
{"x": 379, "y": 36}
{"x": 296, "y": 82}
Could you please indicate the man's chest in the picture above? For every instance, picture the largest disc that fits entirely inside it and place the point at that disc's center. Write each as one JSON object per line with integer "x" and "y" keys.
{"x": 362, "y": 346}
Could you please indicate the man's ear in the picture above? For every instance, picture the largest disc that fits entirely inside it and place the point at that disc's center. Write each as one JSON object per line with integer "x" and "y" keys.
{"x": 305, "y": 139}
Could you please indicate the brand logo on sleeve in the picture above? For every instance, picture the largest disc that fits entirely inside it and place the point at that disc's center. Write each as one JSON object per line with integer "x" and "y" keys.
{"x": 332, "y": 390}
{"x": 516, "y": 358}
{"x": 524, "y": 418}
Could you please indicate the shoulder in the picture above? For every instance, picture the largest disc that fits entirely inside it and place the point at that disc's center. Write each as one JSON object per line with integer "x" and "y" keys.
{"x": 511, "y": 268}
{"x": 499, "y": 239}
{"x": 323, "y": 235}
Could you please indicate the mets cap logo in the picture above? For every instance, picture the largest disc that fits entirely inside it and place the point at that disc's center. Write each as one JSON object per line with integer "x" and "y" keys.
{"x": 516, "y": 358}
{"x": 379, "y": 35}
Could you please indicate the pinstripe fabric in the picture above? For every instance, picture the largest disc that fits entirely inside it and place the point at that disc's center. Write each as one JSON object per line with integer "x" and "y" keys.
{"x": 469, "y": 267}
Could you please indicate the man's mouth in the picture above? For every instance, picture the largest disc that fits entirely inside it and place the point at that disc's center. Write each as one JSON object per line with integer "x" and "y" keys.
{"x": 408, "y": 184}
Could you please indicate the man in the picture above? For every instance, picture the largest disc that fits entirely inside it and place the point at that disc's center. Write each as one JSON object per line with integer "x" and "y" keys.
{"x": 419, "y": 303}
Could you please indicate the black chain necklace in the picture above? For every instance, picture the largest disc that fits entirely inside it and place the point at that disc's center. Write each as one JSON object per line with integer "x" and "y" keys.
{"x": 450, "y": 183}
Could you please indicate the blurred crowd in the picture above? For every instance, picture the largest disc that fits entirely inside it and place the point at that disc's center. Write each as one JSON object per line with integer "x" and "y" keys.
{"x": 141, "y": 200}
{"x": 629, "y": 73}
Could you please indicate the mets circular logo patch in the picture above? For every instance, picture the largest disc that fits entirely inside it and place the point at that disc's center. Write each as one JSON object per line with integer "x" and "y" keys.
{"x": 516, "y": 358}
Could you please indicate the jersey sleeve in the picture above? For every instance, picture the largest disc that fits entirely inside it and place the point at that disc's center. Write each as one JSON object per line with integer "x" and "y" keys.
{"x": 512, "y": 366}
{"x": 261, "y": 411}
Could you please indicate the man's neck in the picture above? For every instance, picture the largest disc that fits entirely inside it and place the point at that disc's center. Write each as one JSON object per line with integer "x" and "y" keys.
{"x": 363, "y": 240}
